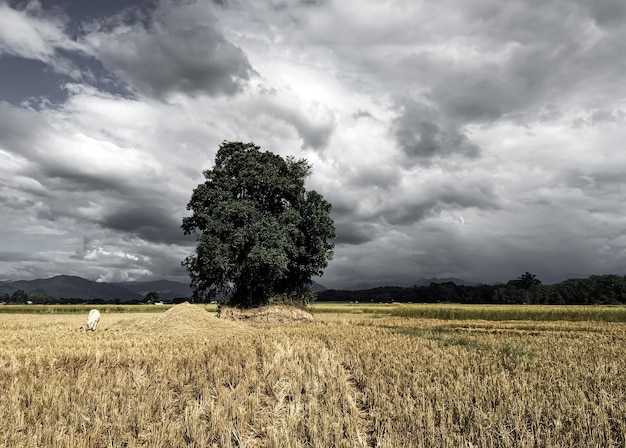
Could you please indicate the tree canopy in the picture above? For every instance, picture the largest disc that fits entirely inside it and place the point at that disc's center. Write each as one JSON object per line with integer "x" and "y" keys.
{"x": 259, "y": 232}
{"x": 525, "y": 281}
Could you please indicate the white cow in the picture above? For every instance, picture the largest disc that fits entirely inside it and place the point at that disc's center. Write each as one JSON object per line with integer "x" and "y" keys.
{"x": 92, "y": 320}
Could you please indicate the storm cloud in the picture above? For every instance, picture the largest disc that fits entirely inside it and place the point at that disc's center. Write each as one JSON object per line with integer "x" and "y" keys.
{"x": 420, "y": 136}
{"x": 181, "y": 50}
{"x": 476, "y": 140}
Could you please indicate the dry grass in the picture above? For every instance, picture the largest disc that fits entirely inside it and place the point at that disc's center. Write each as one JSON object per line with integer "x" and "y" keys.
{"x": 181, "y": 320}
{"x": 273, "y": 314}
{"x": 84, "y": 308}
{"x": 186, "y": 378}
{"x": 578, "y": 313}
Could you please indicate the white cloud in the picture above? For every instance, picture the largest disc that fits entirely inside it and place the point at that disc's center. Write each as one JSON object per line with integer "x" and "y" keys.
{"x": 34, "y": 33}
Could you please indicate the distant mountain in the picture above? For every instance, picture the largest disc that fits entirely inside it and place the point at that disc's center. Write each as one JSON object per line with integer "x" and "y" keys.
{"x": 71, "y": 287}
{"x": 456, "y": 281}
{"x": 555, "y": 279}
{"x": 318, "y": 287}
{"x": 167, "y": 289}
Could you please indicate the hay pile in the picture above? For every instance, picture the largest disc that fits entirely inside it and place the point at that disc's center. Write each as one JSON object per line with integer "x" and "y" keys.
{"x": 270, "y": 314}
{"x": 184, "y": 319}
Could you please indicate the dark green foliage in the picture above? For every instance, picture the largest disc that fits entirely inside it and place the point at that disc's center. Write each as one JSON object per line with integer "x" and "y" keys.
{"x": 41, "y": 299}
{"x": 19, "y": 297}
{"x": 526, "y": 289}
{"x": 152, "y": 296}
{"x": 433, "y": 293}
{"x": 525, "y": 281}
{"x": 260, "y": 233}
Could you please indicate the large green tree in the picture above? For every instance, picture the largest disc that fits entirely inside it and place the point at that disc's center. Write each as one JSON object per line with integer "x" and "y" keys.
{"x": 260, "y": 233}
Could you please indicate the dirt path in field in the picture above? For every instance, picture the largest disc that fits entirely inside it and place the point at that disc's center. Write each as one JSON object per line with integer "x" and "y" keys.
{"x": 356, "y": 395}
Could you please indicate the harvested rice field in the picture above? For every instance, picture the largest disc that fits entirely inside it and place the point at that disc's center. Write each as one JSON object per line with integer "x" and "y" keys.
{"x": 358, "y": 377}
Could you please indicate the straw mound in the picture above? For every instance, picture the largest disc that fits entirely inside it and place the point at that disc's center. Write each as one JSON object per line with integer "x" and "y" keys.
{"x": 185, "y": 319}
{"x": 271, "y": 314}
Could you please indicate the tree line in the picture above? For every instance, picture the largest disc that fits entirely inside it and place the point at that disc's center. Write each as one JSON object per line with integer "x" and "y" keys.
{"x": 20, "y": 297}
{"x": 526, "y": 289}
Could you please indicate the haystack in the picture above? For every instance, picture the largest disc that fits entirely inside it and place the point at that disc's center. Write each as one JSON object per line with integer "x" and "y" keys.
{"x": 185, "y": 319}
{"x": 270, "y": 314}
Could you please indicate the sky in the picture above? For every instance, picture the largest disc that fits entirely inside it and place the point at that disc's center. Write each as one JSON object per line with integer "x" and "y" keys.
{"x": 475, "y": 140}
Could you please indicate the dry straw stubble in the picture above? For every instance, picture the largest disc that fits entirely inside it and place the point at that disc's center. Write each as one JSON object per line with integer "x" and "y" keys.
{"x": 186, "y": 378}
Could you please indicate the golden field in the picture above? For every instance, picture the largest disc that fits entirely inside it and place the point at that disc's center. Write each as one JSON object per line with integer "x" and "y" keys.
{"x": 358, "y": 377}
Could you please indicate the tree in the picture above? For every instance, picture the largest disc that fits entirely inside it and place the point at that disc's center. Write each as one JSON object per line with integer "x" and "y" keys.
{"x": 260, "y": 233}
{"x": 152, "y": 296}
{"x": 528, "y": 280}
{"x": 525, "y": 281}
{"x": 19, "y": 296}
{"x": 40, "y": 298}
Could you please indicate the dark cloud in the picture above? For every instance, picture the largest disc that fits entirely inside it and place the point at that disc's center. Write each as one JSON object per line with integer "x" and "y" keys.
{"x": 314, "y": 135}
{"x": 501, "y": 61}
{"x": 481, "y": 95}
{"x": 379, "y": 177}
{"x": 410, "y": 214}
{"x": 19, "y": 256}
{"x": 478, "y": 195}
{"x": 421, "y": 137}
{"x": 608, "y": 12}
{"x": 601, "y": 116}
{"x": 27, "y": 78}
{"x": 138, "y": 214}
{"x": 352, "y": 278}
{"x": 460, "y": 91}
{"x": 80, "y": 11}
{"x": 182, "y": 51}
{"x": 60, "y": 178}
{"x": 148, "y": 222}
{"x": 596, "y": 184}
{"x": 607, "y": 116}
{"x": 354, "y": 233}
{"x": 342, "y": 205}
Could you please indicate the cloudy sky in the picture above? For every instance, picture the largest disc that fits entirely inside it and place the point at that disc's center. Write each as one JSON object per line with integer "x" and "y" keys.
{"x": 462, "y": 139}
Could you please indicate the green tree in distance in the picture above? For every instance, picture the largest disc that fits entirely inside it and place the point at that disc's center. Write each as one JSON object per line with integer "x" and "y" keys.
{"x": 260, "y": 233}
{"x": 528, "y": 280}
{"x": 525, "y": 281}
{"x": 152, "y": 296}
{"x": 19, "y": 296}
